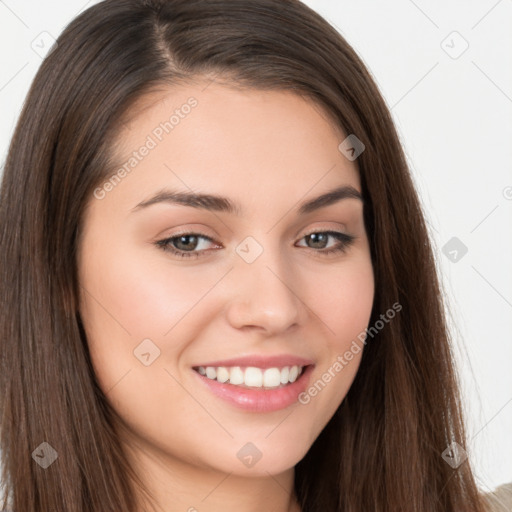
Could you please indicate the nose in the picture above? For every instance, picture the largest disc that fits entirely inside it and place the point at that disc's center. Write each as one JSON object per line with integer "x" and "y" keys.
{"x": 264, "y": 296}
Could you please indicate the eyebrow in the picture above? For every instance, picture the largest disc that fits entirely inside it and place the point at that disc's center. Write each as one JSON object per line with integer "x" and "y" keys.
{"x": 217, "y": 203}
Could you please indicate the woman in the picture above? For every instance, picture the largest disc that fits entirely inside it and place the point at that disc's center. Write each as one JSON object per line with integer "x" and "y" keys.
{"x": 218, "y": 290}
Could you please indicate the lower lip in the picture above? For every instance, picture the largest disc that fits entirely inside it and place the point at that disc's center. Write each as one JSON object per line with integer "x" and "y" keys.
{"x": 259, "y": 400}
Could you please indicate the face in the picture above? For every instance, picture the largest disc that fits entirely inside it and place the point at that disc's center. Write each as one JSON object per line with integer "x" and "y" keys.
{"x": 172, "y": 288}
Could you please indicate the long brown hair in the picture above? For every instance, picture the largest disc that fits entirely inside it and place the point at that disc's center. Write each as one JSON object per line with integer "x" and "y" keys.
{"x": 382, "y": 449}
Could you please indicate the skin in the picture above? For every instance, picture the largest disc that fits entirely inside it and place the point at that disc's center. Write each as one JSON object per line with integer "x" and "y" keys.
{"x": 269, "y": 151}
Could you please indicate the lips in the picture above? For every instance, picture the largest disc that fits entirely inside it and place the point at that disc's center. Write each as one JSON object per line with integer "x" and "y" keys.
{"x": 260, "y": 361}
{"x": 257, "y": 383}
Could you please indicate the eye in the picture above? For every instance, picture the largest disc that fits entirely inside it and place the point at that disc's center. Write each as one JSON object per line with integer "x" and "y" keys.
{"x": 320, "y": 239}
{"x": 185, "y": 245}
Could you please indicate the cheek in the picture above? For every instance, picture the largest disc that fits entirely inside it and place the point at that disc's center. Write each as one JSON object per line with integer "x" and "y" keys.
{"x": 134, "y": 296}
{"x": 146, "y": 296}
{"x": 343, "y": 299}
{"x": 128, "y": 301}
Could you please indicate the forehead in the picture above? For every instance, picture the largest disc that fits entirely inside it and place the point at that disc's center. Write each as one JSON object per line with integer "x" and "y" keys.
{"x": 222, "y": 139}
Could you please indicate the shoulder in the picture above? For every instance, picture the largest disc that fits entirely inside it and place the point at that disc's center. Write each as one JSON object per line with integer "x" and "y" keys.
{"x": 499, "y": 500}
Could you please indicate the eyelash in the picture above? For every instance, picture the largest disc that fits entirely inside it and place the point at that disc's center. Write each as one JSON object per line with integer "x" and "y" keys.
{"x": 345, "y": 241}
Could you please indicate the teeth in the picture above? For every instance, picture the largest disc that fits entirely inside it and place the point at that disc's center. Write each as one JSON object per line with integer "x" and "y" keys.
{"x": 271, "y": 378}
{"x": 236, "y": 376}
{"x": 252, "y": 376}
{"x": 294, "y": 373}
{"x": 211, "y": 372}
{"x": 222, "y": 374}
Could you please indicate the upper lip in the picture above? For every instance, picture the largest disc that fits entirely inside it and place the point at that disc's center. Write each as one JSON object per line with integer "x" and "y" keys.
{"x": 260, "y": 361}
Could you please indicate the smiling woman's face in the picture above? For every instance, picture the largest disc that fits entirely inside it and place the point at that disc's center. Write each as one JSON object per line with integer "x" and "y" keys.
{"x": 252, "y": 283}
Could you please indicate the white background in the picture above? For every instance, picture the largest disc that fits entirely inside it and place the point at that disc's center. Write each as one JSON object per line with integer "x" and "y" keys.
{"x": 453, "y": 114}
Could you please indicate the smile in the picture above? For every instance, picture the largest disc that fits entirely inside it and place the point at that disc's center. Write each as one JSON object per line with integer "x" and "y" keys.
{"x": 251, "y": 376}
{"x": 254, "y": 389}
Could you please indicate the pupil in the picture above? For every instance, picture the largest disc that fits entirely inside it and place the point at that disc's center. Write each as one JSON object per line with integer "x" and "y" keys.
{"x": 182, "y": 239}
{"x": 315, "y": 237}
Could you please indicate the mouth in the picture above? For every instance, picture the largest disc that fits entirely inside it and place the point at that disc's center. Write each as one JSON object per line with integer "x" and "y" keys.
{"x": 253, "y": 377}
{"x": 256, "y": 389}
